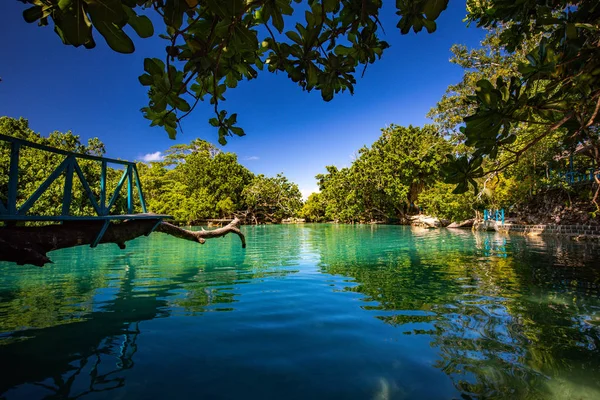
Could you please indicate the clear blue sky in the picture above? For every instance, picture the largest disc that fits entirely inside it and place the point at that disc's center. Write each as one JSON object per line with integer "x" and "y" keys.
{"x": 95, "y": 93}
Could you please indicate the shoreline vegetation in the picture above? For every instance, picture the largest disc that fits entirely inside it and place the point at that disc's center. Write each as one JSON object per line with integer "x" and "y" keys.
{"x": 537, "y": 176}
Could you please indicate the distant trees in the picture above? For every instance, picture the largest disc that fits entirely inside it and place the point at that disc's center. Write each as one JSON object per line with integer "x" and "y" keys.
{"x": 271, "y": 199}
{"x": 314, "y": 208}
{"x": 195, "y": 181}
{"x": 385, "y": 181}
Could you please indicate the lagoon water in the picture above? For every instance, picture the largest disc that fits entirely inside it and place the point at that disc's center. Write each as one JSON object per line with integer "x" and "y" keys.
{"x": 307, "y": 312}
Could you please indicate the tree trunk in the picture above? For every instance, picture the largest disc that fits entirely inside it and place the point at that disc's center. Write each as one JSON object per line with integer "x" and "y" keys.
{"x": 29, "y": 244}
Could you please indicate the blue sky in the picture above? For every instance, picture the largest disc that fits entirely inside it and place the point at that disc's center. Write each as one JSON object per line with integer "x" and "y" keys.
{"x": 95, "y": 93}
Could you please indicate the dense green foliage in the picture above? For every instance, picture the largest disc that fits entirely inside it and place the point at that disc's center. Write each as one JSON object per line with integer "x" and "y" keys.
{"x": 194, "y": 182}
{"x": 385, "y": 180}
{"x": 405, "y": 166}
{"x": 198, "y": 181}
{"x": 529, "y": 99}
{"x": 212, "y": 45}
{"x": 555, "y": 87}
{"x": 271, "y": 199}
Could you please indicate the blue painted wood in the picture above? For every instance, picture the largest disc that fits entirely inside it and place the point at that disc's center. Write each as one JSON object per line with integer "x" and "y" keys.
{"x": 494, "y": 215}
{"x": 68, "y": 189}
{"x": 86, "y": 187}
{"x": 129, "y": 190}
{"x": 36, "y": 195}
{"x": 115, "y": 195}
{"x": 103, "y": 189}
{"x": 100, "y": 234}
{"x": 13, "y": 178}
{"x": 120, "y": 217}
{"x": 34, "y": 145}
{"x": 139, "y": 189}
{"x": 11, "y": 212}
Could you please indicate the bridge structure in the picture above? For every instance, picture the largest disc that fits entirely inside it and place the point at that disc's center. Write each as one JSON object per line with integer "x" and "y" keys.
{"x": 573, "y": 176}
{"x": 11, "y": 212}
{"x": 494, "y": 215}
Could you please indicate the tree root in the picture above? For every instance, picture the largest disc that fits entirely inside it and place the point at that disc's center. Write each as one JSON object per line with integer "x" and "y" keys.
{"x": 29, "y": 244}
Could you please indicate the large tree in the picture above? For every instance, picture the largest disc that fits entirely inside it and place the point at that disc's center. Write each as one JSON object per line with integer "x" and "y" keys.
{"x": 386, "y": 179}
{"x": 555, "y": 88}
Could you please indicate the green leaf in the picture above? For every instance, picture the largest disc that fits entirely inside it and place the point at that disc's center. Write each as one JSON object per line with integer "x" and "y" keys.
{"x": 433, "y": 8}
{"x": 430, "y": 25}
{"x": 238, "y": 131}
{"x": 72, "y": 25}
{"x": 293, "y": 35}
{"x": 342, "y": 50}
{"x": 146, "y": 80}
{"x": 64, "y": 4}
{"x": 571, "y": 31}
{"x": 182, "y": 105}
{"x": 277, "y": 19}
{"x": 140, "y": 23}
{"x": 33, "y": 14}
{"x": 171, "y": 131}
{"x": 107, "y": 11}
{"x": 115, "y": 37}
{"x": 154, "y": 66}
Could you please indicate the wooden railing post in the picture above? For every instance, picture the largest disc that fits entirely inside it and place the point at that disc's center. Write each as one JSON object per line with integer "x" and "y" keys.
{"x": 129, "y": 190}
{"x": 13, "y": 178}
{"x": 68, "y": 185}
{"x": 103, "y": 189}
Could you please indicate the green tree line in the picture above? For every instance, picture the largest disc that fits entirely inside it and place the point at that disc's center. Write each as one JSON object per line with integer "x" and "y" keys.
{"x": 406, "y": 169}
{"x": 404, "y": 172}
{"x": 194, "y": 182}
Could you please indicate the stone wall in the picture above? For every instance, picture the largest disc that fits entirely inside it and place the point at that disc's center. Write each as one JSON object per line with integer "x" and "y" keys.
{"x": 570, "y": 230}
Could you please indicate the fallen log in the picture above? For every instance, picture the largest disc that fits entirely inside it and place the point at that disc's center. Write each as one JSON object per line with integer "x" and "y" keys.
{"x": 29, "y": 244}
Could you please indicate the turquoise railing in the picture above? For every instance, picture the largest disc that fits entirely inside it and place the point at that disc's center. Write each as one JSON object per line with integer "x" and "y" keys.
{"x": 494, "y": 215}
{"x": 69, "y": 167}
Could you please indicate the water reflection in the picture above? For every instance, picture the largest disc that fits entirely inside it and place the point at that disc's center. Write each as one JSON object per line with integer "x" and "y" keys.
{"x": 511, "y": 317}
{"x": 71, "y": 329}
{"x": 317, "y": 311}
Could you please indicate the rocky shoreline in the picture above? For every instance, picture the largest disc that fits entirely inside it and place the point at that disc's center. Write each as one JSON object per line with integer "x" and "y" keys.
{"x": 579, "y": 232}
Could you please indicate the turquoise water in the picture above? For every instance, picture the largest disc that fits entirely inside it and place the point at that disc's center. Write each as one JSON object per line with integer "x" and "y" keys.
{"x": 307, "y": 312}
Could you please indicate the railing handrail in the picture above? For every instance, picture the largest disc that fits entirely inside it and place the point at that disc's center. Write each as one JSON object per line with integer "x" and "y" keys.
{"x": 34, "y": 145}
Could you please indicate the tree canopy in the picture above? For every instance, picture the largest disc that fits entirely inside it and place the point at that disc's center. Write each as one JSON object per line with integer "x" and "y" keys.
{"x": 211, "y": 45}
{"x": 552, "y": 84}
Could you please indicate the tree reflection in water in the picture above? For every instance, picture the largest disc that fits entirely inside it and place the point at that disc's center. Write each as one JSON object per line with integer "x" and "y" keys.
{"x": 505, "y": 313}
{"x": 507, "y": 316}
{"x": 78, "y": 333}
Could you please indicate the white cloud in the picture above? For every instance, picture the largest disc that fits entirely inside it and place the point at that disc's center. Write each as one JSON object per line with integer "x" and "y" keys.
{"x": 157, "y": 156}
{"x": 251, "y": 158}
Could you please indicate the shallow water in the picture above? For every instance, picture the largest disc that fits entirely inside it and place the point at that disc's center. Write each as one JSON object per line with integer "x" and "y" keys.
{"x": 307, "y": 311}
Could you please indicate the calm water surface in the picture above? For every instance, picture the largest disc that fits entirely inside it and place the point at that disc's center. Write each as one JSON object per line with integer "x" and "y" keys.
{"x": 307, "y": 312}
